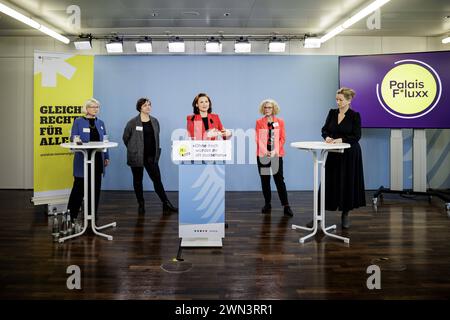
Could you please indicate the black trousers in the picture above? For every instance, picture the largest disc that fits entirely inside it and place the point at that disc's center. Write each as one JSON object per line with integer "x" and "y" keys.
{"x": 77, "y": 193}
{"x": 264, "y": 166}
{"x": 152, "y": 169}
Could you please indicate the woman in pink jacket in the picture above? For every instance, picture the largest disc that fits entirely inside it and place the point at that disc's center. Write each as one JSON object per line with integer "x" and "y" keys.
{"x": 270, "y": 139}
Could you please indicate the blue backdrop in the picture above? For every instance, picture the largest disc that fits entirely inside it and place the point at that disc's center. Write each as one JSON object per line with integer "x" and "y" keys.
{"x": 304, "y": 87}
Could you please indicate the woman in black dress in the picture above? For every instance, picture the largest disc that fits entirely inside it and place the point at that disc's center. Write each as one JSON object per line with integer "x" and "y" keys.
{"x": 344, "y": 176}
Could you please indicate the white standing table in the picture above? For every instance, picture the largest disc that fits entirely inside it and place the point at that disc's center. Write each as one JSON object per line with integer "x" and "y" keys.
{"x": 89, "y": 160}
{"x": 319, "y": 151}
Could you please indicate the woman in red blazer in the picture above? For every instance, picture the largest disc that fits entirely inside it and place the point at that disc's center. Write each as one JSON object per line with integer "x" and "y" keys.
{"x": 204, "y": 125}
{"x": 270, "y": 139}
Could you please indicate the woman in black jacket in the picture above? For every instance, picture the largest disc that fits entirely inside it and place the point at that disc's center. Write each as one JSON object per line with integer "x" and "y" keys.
{"x": 141, "y": 137}
{"x": 344, "y": 175}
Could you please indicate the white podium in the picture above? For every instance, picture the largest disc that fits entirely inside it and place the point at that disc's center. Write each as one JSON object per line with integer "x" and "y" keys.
{"x": 201, "y": 190}
{"x": 89, "y": 160}
{"x": 320, "y": 151}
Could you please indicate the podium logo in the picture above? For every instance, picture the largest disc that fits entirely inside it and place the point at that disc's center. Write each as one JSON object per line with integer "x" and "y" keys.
{"x": 410, "y": 90}
{"x": 183, "y": 151}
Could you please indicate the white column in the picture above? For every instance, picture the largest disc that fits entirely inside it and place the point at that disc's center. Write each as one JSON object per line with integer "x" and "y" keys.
{"x": 396, "y": 160}
{"x": 419, "y": 161}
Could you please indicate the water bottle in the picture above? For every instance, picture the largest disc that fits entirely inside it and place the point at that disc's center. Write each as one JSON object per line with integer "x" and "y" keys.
{"x": 51, "y": 215}
{"x": 76, "y": 226}
{"x": 55, "y": 226}
{"x": 68, "y": 223}
{"x": 63, "y": 230}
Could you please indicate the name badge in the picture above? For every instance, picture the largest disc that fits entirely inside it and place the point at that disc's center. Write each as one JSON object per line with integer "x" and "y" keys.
{"x": 86, "y": 130}
{"x": 275, "y": 124}
{"x": 138, "y": 128}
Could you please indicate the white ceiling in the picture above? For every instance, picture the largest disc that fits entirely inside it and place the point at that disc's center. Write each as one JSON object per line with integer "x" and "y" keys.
{"x": 246, "y": 17}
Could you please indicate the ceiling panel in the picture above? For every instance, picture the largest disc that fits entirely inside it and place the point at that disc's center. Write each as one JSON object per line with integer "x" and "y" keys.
{"x": 399, "y": 17}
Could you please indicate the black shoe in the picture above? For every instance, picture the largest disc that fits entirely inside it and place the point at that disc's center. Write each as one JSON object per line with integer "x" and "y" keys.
{"x": 141, "y": 208}
{"x": 288, "y": 211}
{"x": 345, "y": 221}
{"x": 310, "y": 224}
{"x": 168, "y": 207}
{"x": 267, "y": 208}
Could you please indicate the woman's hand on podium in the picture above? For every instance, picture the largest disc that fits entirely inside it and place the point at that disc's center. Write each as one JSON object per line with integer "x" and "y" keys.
{"x": 213, "y": 133}
{"x": 225, "y": 133}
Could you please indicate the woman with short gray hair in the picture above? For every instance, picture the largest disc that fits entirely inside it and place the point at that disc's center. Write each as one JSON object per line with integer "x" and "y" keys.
{"x": 89, "y": 128}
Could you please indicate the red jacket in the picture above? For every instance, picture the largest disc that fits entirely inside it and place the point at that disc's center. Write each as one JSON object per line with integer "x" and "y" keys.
{"x": 262, "y": 135}
{"x": 196, "y": 128}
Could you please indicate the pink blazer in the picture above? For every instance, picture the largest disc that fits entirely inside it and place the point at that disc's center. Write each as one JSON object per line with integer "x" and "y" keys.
{"x": 262, "y": 134}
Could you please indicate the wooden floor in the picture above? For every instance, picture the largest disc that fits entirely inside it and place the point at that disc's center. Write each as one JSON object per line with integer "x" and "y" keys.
{"x": 261, "y": 257}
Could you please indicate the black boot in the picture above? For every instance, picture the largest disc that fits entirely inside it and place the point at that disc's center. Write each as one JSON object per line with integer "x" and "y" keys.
{"x": 288, "y": 211}
{"x": 141, "y": 208}
{"x": 267, "y": 208}
{"x": 345, "y": 220}
{"x": 168, "y": 207}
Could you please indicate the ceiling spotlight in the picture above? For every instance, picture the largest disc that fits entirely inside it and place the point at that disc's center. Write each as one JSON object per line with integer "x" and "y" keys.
{"x": 446, "y": 40}
{"x": 242, "y": 45}
{"x": 176, "y": 45}
{"x": 115, "y": 46}
{"x": 84, "y": 42}
{"x": 213, "y": 45}
{"x": 144, "y": 46}
{"x": 277, "y": 45}
{"x": 311, "y": 43}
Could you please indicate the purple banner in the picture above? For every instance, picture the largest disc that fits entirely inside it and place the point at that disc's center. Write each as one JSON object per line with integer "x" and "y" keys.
{"x": 409, "y": 90}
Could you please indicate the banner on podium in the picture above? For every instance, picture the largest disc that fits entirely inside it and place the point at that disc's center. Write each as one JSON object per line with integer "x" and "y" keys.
{"x": 202, "y": 201}
{"x": 201, "y": 150}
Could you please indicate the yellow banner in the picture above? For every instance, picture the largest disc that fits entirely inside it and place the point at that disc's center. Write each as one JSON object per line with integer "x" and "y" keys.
{"x": 62, "y": 83}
